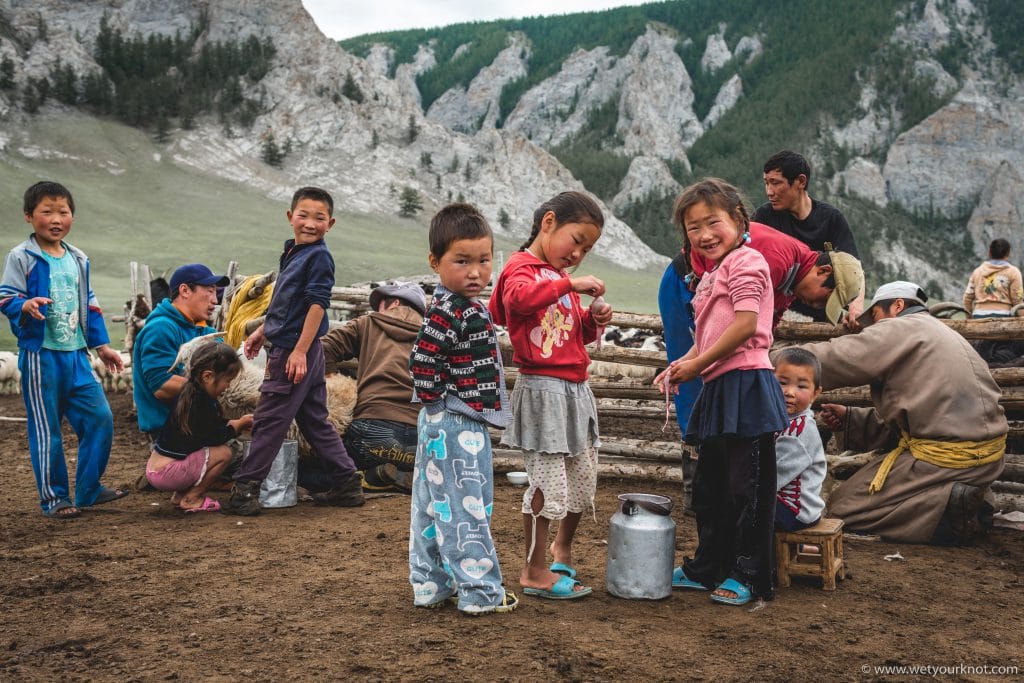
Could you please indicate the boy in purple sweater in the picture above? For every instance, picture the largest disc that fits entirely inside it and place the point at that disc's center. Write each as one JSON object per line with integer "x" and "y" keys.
{"x": 294, "y": 386}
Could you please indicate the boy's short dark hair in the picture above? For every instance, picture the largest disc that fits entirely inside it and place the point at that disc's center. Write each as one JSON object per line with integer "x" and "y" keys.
{"x": 999, "y": 249}
{"x": 45, "y": 188}
{"x": 456, "y": 222}
{"x": 316, "y": 194}
{"x": 790, "y": 164}
{"x": 801, "y": 358}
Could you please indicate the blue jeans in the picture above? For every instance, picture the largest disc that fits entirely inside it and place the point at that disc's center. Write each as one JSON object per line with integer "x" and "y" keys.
{"x": 55, "y": 385}
{"x": 451, "y": 550}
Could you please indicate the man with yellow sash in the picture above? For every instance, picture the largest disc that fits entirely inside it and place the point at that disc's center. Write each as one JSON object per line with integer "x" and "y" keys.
{"x": 936, "y": 412}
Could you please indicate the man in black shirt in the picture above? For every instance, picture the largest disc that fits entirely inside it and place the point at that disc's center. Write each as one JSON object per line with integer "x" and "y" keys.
{"x": 791, "y": 210}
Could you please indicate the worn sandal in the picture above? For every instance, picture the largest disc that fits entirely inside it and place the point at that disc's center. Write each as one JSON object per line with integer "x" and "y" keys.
{"x": 732, "y": 585}
{"x": 208, "y": 505}
{"x": 562, "y": 568}
{"x": 63, "y": 509}
{"x": 109, "y": 495}
{"x": 563, "y": 589}
{"x": 681, "y": 580}
{"x": 507, "y": 604}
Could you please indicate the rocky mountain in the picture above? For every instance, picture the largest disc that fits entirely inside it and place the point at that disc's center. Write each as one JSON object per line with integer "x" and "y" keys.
{"x": 920, "y": 132}
{"x": 366, "y": 152}
{"x": 910, "y": 111}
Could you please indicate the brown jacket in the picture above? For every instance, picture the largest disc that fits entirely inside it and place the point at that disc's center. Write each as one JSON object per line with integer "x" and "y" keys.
{"x": 927, "y": 381}
{"x": 382, "y": 342}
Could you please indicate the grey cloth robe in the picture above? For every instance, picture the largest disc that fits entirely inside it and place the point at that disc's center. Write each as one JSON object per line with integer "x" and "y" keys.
{"x": 926, "y": 380}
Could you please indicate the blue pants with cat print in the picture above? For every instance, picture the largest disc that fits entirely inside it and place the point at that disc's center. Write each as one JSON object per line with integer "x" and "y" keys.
{"x": 450, "y": 546}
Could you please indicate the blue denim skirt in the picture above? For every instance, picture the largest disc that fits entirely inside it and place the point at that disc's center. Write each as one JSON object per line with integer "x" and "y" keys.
{"x": 740, "y": 403}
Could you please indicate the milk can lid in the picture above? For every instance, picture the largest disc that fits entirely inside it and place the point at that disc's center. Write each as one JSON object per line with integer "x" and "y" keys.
{"x": 655, "y": 504}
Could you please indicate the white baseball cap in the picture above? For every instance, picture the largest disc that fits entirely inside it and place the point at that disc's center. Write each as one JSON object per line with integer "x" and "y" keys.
{"x": 899, "y": 289}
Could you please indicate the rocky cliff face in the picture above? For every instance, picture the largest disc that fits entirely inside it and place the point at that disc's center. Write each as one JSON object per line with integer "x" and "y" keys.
{"x": 360, "y": 151}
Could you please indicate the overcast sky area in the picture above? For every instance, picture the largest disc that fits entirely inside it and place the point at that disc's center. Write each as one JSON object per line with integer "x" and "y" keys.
{"x": 347, "y": 18}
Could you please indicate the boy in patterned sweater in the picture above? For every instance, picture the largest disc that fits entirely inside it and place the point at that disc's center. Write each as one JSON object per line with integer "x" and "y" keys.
{"x": 800, "y": 457}
{"x": 458, "y": 377}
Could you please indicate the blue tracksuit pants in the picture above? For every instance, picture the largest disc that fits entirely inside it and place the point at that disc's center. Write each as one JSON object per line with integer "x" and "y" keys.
{"x": 55, "y": 385}
{"x": 450, "y": 547}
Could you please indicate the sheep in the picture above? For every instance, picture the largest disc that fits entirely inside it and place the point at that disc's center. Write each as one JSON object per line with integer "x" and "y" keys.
{"x": 10, "y": 376}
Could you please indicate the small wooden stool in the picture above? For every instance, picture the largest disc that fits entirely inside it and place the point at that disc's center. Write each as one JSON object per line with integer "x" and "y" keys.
{"x": 827, "y": 534}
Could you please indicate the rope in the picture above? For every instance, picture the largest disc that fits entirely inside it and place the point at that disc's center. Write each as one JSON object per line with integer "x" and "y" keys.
{"x": 244, "y": 309}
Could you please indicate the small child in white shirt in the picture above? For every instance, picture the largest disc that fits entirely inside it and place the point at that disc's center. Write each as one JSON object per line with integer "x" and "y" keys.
{"x": 800, "y": 455}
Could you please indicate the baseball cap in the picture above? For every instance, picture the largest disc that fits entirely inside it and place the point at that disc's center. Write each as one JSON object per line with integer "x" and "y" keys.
{"x": 409, "y": 292}
{"x": 899, "y": 289}
{"x": 197, "y": 274}
{"x": 849, "y": 277}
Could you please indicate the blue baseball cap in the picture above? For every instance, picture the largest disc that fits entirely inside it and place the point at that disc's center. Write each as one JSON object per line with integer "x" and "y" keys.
{"x": 197, "y": 274}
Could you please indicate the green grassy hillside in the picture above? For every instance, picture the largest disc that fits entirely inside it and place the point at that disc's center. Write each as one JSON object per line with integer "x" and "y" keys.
{"x": 134, "y": 204}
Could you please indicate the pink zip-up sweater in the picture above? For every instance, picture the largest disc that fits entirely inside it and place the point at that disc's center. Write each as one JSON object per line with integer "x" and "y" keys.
{"x": 741, "y": 282}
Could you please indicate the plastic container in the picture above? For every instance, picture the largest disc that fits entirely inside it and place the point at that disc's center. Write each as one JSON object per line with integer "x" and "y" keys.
{"x": 281, "y": 487}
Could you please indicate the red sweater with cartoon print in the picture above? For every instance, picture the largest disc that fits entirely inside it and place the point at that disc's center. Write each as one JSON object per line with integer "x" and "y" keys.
{"x": 546, "y": 323}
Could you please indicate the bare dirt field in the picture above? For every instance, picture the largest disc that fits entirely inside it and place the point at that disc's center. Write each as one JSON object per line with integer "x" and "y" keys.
{"x": 135, "y": 591}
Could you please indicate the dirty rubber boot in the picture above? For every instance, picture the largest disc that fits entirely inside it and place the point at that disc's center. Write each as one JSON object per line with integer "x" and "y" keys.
{"x": 346, "y": 493}
{"x": 962, "y": 512}
{"x": 244, "y": 499}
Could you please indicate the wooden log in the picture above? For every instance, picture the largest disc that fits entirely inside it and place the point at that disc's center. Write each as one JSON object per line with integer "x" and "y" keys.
{"x": 997, "y": 330}
{"x": 1000, "y": 486}
{"x": 507, "y": 460}
{"x": 1009, "y": 502}
{"x": 861, "y": 396}
{"x": 843, "y": 465}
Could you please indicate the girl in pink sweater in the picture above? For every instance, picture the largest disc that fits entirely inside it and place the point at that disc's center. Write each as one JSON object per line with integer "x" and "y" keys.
{"x": 740, "y": 407}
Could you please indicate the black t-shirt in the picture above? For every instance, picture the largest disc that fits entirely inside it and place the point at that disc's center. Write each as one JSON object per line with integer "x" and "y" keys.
{"x": 208, "y": 427}
{"x": 825, "y": 223}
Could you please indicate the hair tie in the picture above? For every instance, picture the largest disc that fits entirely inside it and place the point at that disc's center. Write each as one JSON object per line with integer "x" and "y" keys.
{"x": 746, "y": 237}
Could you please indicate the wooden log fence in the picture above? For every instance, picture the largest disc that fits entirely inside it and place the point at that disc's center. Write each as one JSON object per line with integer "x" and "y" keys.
{"x": 659, "y": 459}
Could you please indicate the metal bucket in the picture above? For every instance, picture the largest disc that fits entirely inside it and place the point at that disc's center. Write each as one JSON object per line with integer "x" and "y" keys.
{"x": 280, "y": 488}
{"x": 641, "y": 548}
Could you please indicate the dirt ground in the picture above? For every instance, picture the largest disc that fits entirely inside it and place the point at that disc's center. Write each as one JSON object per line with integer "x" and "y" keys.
{"x": 135, "y": 591}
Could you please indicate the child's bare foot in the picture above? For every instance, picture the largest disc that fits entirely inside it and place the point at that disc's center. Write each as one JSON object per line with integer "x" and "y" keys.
{"x": 560, "y": 554}
{"x": 176, "y": 498}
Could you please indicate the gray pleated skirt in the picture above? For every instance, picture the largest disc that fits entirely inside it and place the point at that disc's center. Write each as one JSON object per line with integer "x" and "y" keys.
{"x": 551, "y": 415}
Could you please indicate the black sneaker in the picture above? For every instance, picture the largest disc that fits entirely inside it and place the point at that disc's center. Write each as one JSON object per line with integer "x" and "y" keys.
{"x": 244, "y": 499}
{"x": 347, "y": 493}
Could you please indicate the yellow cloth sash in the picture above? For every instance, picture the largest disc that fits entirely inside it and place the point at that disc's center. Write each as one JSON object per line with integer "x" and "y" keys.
{"x": 951, "y": 454}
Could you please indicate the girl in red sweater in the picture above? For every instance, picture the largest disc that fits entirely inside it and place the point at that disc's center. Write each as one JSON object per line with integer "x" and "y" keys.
{"x": 554, "y": 413}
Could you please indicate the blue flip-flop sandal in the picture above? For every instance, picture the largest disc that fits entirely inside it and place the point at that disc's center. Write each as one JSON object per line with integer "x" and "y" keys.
{"x": 681, "y": 580}
{"x": 561, "y": 568}
{"x": 562, "y": 590}
{"x": 742, "y": 593}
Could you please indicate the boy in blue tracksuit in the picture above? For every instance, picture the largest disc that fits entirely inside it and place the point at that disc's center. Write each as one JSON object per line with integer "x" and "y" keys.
{"x": 54, "y": 314}
{"x": 294, "y": 386}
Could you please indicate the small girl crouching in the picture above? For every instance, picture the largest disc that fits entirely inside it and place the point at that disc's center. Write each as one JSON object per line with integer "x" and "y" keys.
{"x": 192, "y": 449}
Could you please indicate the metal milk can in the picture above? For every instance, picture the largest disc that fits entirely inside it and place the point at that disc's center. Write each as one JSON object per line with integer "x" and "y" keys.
{"x": 641, "y": 547}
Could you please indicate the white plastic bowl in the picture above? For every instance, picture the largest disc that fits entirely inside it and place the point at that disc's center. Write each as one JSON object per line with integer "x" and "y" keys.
{"x": 517, "y": 478}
